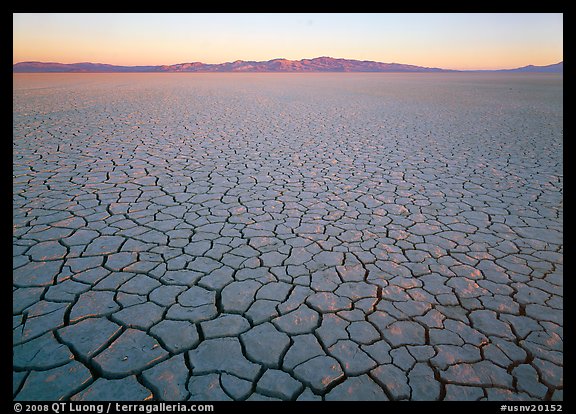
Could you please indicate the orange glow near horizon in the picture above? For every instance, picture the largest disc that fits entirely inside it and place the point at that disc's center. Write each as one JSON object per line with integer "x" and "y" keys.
{"x": 452, "y": 41}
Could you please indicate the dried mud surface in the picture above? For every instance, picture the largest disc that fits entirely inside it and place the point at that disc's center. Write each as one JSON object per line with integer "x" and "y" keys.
{"x": 287, "y": 237}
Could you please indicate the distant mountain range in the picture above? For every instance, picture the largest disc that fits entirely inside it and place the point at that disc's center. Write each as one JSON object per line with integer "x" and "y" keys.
{"x": 555, "y": 68}
{"x": 320, "y": 64}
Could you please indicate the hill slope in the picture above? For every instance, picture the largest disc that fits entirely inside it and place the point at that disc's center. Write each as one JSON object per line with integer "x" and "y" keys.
{"x": 554, "y": 68}
{"x": 321, "y": 64}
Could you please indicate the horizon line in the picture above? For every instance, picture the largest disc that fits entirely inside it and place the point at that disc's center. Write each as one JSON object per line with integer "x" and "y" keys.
{"x": 279, "y": 59}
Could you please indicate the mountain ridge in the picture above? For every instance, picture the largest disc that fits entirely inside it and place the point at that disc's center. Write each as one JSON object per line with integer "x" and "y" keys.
{"x": 318, "y": 64}
{"x": 553, "y": 68}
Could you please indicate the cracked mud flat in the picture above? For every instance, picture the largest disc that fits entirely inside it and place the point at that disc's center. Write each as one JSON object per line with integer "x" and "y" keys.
{"x": 287, "y": 237}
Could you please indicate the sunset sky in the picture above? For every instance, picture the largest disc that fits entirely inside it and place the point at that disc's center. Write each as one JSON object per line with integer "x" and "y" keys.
{"x": 451, "y": 41}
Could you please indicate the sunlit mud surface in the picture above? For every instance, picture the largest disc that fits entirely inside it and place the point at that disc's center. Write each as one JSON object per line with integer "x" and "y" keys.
{"x": 288, "y": 236}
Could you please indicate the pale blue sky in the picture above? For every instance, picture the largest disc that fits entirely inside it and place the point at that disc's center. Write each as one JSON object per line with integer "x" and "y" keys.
{"x": 456, "y": 41}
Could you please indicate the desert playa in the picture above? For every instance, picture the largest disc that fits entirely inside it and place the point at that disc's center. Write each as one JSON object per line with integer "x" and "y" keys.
{"x": 288, "y": 236}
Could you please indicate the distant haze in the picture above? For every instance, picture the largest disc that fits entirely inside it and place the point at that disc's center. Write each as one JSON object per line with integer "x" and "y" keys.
{"x": 320, "y": 64}
{"x": 456, "y": 41}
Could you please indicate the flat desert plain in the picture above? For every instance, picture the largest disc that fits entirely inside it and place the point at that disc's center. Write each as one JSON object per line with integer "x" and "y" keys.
{"x": 288, "y": 236}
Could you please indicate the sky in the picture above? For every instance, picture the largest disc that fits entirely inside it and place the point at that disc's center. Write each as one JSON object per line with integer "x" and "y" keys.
{"x": 449, "y": 41}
